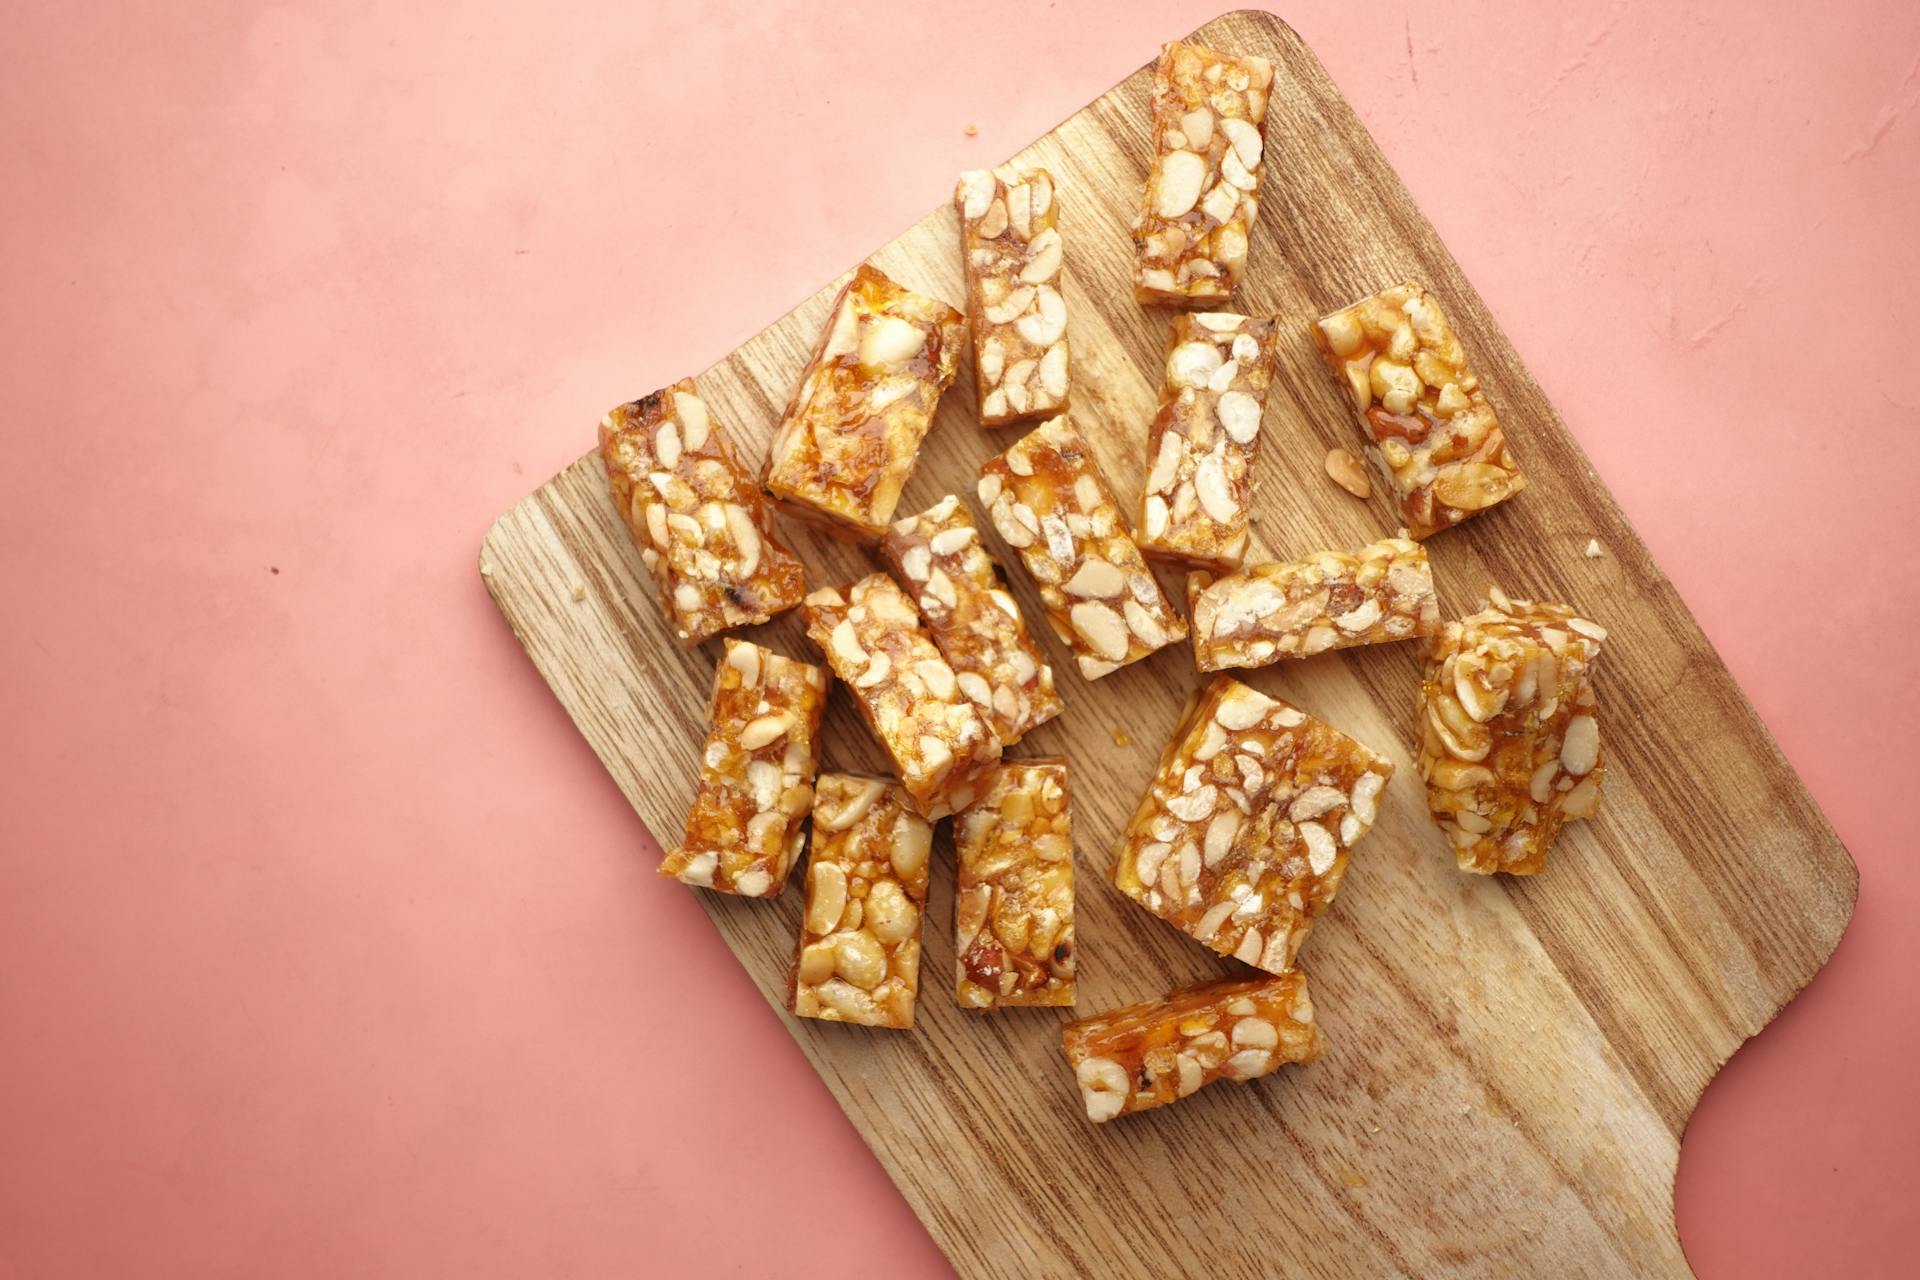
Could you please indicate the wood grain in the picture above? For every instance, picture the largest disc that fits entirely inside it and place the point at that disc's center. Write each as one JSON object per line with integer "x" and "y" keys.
{"x": 1510, "y": 1062}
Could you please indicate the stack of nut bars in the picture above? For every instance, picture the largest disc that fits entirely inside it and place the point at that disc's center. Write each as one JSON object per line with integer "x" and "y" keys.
{"x": 1249, "y": 823}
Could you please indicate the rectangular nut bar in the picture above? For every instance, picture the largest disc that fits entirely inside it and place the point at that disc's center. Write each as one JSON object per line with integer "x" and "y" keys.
{"x": 940, "y": 744}
{"x": 1203, "y": 192}
{"x": 1149, "y": 1054}
{"x": 1431, "y": 432}
{"x": 1243, "y": 836}
{"x": 859, "y": 955}
{"x": 1510, "y": 744}
{"x": 702, "y": 525}
{"x": 1013, "y": 908}
{"x": 1013, "y": 252}
{"x": 852, "y": 433}
{"x": 745, "y": 826}
{"x": 1047, "y": 499}
{"x": 938, "y": 557}
{"x": 1330, "y": 600}
{"x": 1195, "y": 505}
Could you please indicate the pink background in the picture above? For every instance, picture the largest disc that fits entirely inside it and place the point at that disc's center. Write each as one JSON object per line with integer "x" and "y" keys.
{"x": 326, "y": 948}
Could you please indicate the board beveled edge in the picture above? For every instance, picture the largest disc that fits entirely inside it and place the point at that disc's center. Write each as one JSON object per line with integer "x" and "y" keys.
{"x": 1824, "y": 935}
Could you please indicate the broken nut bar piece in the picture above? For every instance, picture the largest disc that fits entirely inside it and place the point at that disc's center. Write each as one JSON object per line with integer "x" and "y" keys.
{"x": 940, "y": 744}
{"x": 1149, "y": 1054}
{"x": 746, "y": 825}
{"x": 704, "y": 530}
{"x": 859, "y": 956}
{"x": 852, "y": 433}
{"x": 1198, "y": 497}
{"x": 1432, "y": 433}
{"x": 1047, "y": 499}
{"x": 1331, "y": 600}
{"x": 1013, "y": 908}
{"x": 1510, "y": 742}
{"x": 1013, "y": 253}
{"x": 1203, "y": 192}
{"x": 1242, "y": 839}
{"x": 938, "y": 557}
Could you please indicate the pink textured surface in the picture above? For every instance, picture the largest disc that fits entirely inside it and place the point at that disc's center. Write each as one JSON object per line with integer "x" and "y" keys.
{"x": 326, "y": 948}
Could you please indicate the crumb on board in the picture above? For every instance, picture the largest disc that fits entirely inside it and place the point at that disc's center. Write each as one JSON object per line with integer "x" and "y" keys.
{"x": 486, "y": 570}
{"x": 1121, "y": 738}
{"x": 1593, "y": 549}
{"x": 1373, "y": 1128}
{"x": 579, "y": 591}
{"x": 1351, "y": 1178}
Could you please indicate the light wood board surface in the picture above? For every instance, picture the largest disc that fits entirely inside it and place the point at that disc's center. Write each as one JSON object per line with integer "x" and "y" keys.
{"x": 1510, "y": 1062}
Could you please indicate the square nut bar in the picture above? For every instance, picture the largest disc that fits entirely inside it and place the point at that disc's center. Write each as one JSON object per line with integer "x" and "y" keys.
{"x": 1331, "y": 600}
{"x": 1195, "y": 505}
{"x": 702, "y": 525}
{"x": 940, "y": 744}
{"x": 859, "y": 957}
{"x": 1013, "y": 252}
{"x": 1432, "y": 433}
{"x": 938, "y": 557}
{"x": 1202, "y": 196}
{"x": 1510, "y": 745}
{"x": 1242, "y": 839}
{"x": 1149, "y": 1054}
{"x": 852, "y": 433}
{"x": 1047, "y": 499}
{"x": 756, "y": 775}
{"x": 1013, "y": 909}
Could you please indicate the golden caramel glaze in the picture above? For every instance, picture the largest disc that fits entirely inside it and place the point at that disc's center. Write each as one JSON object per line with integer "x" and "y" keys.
{"x": 1243, "y": 836}
{"x": 1013, "y": 907}
{"x": 703, "y": 528}
{"x": 852, "y": 433}
{"x": 1149, "y": 1054}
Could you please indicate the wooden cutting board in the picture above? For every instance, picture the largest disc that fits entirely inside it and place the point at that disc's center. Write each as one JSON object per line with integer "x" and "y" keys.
{"x": 1510, "y": 1062}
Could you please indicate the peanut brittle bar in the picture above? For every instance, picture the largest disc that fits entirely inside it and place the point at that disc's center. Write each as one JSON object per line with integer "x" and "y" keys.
{"x": 703, "y": 528}
{"x": 1331, "y": 600}
{"x": 1432, "y": 433}
{"x": 745, "y": 829}
{"x": 1510, "y": 748}
{"x": 1195, "y": 505}
{"x": 1149, "y": 1054}
{"x": 1047, "y": 499}
{"x": 1013, "y": 909}
{"x": 940, "y": 744}
{"x": 859, "y": 955}
{"x": 1202, "y": 193}
{"x": 851, "y": 435}
{"x": 1013, "y": 253}
{"x": 1242, "y": 839}
{"x": 938, "y": 557}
